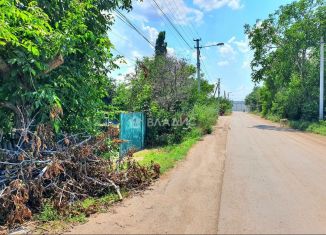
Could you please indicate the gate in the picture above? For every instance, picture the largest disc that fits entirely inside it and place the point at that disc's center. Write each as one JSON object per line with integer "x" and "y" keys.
{"x": 132, "y": 131}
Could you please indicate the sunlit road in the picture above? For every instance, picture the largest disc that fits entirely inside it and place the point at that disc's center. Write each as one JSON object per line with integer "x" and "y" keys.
{"x": 274, "y": 180}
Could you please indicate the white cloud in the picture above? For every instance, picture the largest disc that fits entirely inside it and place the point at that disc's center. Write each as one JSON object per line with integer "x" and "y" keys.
{"x": 171, "y": 51}
{"x": 246, "y": 63}
{"x": 243, "y": 45}
{"x": 227, "y": 51}
{"x": 216, "y": 4}
{"x": 124, "y": 70}
{"x": 151, "y": 32}
{"x": 223, "y": 63}
{"x": 136, "y": 54}
{"x": 178, "y": 11}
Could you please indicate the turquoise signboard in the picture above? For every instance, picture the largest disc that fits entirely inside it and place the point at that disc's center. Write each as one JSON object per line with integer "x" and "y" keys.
{"x": 132, "y": 132}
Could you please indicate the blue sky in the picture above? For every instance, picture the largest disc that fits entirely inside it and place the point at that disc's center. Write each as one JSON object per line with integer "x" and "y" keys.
{"x": 213, "y": 20}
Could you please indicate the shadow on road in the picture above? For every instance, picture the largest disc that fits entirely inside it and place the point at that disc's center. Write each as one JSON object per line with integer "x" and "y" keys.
{"x": 273, "y": 128}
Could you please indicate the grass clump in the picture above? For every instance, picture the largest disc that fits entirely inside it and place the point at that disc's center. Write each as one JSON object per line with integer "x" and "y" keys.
{"x": 318, "y": 128}
{"x": 88, "y": 202}
{"x": 169, "y": 155}
{"x": 48, "y": 213}
{"x": 77, "y": 213}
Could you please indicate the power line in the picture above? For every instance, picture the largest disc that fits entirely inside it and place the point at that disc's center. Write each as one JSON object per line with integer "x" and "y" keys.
{"x": 123, "y": 18}
{"x": 172, "y": 32}
{"x": 191, "y": 29}
{"x": 178, "y": 40}
{"x": 172, "y": 24}
{"x": 176, "y": 20}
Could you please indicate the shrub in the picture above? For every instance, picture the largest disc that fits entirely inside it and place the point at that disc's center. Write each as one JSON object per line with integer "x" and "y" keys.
{"x": 204, "y": 117}
{"x": 224, "y": 106}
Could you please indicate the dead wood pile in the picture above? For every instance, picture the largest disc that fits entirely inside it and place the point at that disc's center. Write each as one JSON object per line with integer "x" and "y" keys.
{"x": 63, "y": 171}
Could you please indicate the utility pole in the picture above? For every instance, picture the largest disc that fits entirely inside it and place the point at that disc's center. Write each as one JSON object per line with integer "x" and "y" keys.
{"x": 224, "y": 94}
{"x": 197, "y": 47}
{"x": 321, "y": 98}
{"x": 229, "y": 95}
{"x": 215, "y": 90}
{"x": 219, "y": 88}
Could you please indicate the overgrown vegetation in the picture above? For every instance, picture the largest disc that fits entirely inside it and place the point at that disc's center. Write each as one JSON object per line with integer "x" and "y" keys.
{"x": 55, "y": 57}
{"x": 286, "y": 62}
{"x": 204, "y": 118}
{"x": 164, "y": 87}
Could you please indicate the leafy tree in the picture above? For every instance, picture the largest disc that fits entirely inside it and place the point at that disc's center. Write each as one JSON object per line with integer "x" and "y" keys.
{"x": 54, "y": 60}
{"x": 286, "y": 55}
{"x": 253, "y": 100}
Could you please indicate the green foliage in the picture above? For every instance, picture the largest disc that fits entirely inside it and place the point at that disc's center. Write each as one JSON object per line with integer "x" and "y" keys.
{"x": 318, "y": 128}
{"x": 224, "y": 106}
{"x": 164, "y": 88}
{"x": 205, "y": 116}
{"x": 161, "y": 45}
{"x": 253, "y": 100}
{"x": 88, "y": 202}
{"x": 286, "y": 57}
{"x": 81, "y": 218}
{"x": 48, "y": 213}
{"x": 314, "y": 127}
{"x": 35, "y": 38}
{"x": 168, "y": 156}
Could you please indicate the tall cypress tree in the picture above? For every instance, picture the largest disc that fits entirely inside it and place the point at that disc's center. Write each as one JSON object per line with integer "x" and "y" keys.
{"x": 161, "y": 45}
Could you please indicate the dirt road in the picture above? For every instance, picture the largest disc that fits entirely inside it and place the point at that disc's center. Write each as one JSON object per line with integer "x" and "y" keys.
{"x": 275, "y": 180}
{"x": 185, "y": 200}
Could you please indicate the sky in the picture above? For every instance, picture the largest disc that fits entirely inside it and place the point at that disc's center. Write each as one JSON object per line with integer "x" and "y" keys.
{"x": 213, "y": 21}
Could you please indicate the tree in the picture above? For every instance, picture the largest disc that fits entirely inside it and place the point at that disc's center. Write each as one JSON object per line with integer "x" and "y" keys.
{"x": 286, "y": 55}
{"x": 253, "y": 100}
{"x": 55, "y": 56}
{"x": 161, "y": 45}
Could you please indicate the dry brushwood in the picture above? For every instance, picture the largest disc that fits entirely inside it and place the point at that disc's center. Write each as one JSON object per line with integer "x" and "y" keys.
{"x": 63, "y": 171}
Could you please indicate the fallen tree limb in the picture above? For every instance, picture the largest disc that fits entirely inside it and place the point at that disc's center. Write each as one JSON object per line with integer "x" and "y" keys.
{"x": 51, "y": 171}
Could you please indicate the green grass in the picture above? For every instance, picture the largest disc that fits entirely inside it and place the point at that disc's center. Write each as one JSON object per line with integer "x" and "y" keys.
{"x": 52, "y": 220}
{"x": 273, "y": 118}
{"x": 81, "y": 218}
{"x": 48, "y": 213}
{"x": 313, "y": 127}
{"x": 168, "y": 156}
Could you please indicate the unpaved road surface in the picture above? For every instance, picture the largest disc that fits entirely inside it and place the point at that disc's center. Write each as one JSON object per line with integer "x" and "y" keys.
{"x": 185, "y": 200}
{"x": 274, "y": 181}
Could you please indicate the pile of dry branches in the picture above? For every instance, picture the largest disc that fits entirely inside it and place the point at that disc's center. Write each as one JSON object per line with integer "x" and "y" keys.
{"x": 63, "y": 171}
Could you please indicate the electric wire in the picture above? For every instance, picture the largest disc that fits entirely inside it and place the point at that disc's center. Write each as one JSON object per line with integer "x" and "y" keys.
{"x": 125, "y": 19}
{"x": 174, "y": 27}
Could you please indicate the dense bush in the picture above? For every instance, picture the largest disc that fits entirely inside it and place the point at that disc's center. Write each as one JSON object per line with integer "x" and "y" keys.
{"x": 205, "y": 116}
{"x": 224, "y": 106}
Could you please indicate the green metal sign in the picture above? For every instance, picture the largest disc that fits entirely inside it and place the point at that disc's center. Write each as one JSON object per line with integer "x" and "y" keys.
{"x": 132, "y": 131}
